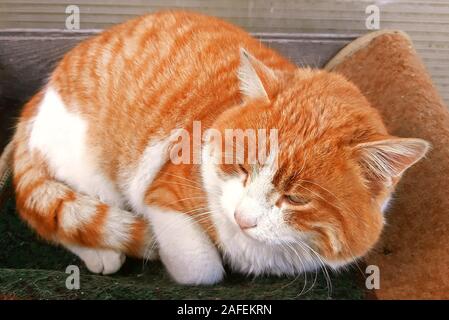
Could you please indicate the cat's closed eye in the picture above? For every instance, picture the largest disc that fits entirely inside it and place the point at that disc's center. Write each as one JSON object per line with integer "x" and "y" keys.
{"x": 297, "y": 200}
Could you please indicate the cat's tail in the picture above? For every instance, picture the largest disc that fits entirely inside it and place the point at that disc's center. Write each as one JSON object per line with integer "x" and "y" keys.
{"x": 59, "y": 214}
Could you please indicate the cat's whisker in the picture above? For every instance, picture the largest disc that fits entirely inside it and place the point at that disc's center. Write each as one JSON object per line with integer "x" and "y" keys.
{"x": 183, "y": 178}
{"x": 303, "y": 266}
{"x": 326, "y": 273}
{"x": 180, "y": 184}
{"x": 321, "y": 264}
{"x": 300, "y": 243}
{"x": 187, "y": 198}
{"x": 289, "y": 246}
{"x": 195, "y": 210}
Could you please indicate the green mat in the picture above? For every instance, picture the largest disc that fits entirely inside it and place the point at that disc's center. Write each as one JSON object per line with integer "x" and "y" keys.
{"x": 33, "y": 269}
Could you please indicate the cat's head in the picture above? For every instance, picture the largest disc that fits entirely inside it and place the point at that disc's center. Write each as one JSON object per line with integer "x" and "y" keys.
{"x": 329, "y": 171}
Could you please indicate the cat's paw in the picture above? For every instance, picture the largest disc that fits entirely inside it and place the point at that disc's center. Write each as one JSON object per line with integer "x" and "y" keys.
{"x": 198, "y": 273}
{"x": 100, "y": 260}
{"x": 186, "y": 251}
{"x": 104, "y": 261}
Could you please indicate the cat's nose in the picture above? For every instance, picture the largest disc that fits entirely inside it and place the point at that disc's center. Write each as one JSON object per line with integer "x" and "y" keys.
{"x": 244, "y": 221}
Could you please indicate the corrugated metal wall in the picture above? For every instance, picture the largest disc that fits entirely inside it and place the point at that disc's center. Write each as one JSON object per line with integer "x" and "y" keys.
{"x": 427, "y": 22}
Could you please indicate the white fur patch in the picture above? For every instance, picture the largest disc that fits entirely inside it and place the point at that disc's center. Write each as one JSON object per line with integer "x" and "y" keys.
{"x": 60, "y": 136}
{"x": 188, "y": 254}
{"x": 137, "y": 182}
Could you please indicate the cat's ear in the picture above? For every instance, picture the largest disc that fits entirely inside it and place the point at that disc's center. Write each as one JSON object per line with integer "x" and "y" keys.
{"x": 257, "y": 81}
{"x": 389, "y": 158}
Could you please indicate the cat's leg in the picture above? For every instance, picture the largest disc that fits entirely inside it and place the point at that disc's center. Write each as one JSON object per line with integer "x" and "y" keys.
{"x": 186, "y": 251}
{"x": 95, "y": 231}
{"x": 118, "y": 233}
{"x": 109, "y": 261}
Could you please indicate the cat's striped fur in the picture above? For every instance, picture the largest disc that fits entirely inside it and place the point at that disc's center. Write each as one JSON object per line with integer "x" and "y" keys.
{"x": 91, "y": 167}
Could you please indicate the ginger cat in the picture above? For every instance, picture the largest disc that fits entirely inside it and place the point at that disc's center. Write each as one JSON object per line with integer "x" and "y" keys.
{"x": 93, "y": 170}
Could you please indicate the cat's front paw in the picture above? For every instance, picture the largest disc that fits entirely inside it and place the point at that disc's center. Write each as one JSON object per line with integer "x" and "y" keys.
{"x": 103, "y": 261}
{"x": 198, "y": 273}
